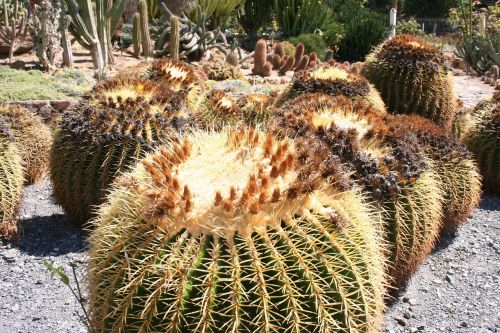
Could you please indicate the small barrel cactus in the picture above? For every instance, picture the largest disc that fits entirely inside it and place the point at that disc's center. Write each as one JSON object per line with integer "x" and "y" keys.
{"x": 220, "y": 70}
{"x": 412, "y": 78}
{"x": 217, "y": 110}
{"x": 180, "y": 77}
{"x": 220, "y": 234}
{"x": 117, "y": 122}
{"x": 334, "y": 82}
{"x": 391, "y": 167}
{"x": 33, "y": 139}
{"x": 483, "y": 140}
{"x": 459, "y": 174}
{"x": 11, "y": 182}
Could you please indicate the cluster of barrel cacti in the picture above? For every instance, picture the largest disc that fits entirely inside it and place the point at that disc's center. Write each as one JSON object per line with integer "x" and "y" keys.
{"x": 265, "y": 63}
{"x": 24, "y": 157}
{"x": 227, "y": 212}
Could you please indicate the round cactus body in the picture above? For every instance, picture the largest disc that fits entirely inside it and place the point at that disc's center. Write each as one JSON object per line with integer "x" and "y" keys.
{"x": 180, "y": 77}
{"x": 33, "y": 139}
{"x": 11, "y": 183}
{"x": 218, "y": 234}
{"x": 119, "y": 121}
{"x": 391, "y": 167}
{"x": 217, "y": 110}
{"x": 483, "y": 140}
{"x": 334, "y": 81}
{"x": 458, "y": 172}
{"x": 412, "y": 78}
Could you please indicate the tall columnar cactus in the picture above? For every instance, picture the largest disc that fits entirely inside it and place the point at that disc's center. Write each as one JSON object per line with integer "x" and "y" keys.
{"x": 412, "y": 78}
{"x": 119, "y": 121}
{"x": 391, "y": 167}
{"x": 334, "y": 82}
{"x": 142, "y": 8}
{"x": 14, "y": 29}
{"x": 93, "y": 25}
{"x": 458, "y": 172}
{"x": 33, "y": 138}
{"x": 222, "y": 234}
{"x": 11, "y": 183}
{"x": 483, "y": 140}
{"x": 259, "y": 57}
{"x": 174, "y": 43}
{"x": 137, "y": 35}
{"x": 65, "y": 22}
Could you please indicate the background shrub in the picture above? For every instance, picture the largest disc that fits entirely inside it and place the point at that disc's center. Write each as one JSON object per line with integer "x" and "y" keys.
{"x": 312, "y": 43}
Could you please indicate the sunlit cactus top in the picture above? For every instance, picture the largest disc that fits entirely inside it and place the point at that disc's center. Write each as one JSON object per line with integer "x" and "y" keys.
{"x": 234, "y": 181}
{"x": 177, "y": 75}
{"x": 409, "y": 50}
{"x": 331, "y": 81}
{"x": 125, "y": 109}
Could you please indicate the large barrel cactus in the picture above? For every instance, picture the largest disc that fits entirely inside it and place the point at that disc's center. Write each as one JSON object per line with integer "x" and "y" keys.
{"x": 11, "y": 182}
{"x": 222, "y": 234}
{"x": 334, "y": 81}
{"x": 483, "y": 139}
{"x": 458, "y": 172}
{"x": 412, "y": 78}
{"x": 392, "y": 167}
{"x": 33, "y": 138}
{"x": 119, "y": 121}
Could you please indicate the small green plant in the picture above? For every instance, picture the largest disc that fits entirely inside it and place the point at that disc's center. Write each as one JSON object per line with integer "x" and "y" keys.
{"x": 300, "y": 17}
{"x": 312, "y": 43}
{"x": 410, "y": 27}
{"x": 480, "y": 52}
{"x": 76, "y": 291}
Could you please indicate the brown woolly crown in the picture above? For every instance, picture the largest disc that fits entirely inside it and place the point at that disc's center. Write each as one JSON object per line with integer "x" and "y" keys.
{"x": 126, "y": 109}
{"x": 357, "y": 135}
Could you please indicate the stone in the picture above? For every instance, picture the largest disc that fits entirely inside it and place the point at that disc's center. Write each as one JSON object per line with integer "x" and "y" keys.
{"x": 60, "y": 105}
{"x": 45, "y": 111}
{"x": 401, "y": 321}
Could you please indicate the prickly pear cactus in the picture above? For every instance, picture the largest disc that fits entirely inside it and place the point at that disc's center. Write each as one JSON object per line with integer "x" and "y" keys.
{"x": 33, "y": 139}
{"x": 391, "y": 167}
{"x": 219, "y": 234}
{"x": 412, "y": 78}
{"x": 458, "y": 172}
{"x": 334, "y": 82}
{"x": 483, "y": 140}
{"x": 119, "y": 121}
{"x": 11, "y": 182}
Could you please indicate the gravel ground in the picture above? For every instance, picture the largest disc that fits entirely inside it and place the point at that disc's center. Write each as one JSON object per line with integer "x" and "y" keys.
{"x": 456, "y": 290}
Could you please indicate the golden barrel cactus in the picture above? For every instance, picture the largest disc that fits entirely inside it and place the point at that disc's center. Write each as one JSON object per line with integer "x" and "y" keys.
{"x": 391, "y": 167}
{"x": 119, "y": 121}
{"x": 33, "y": 138}
{"x": 412, "y": 78}
{"x": 11, "y": 182}
{"x": 483, "y": 140}
{"x": 220, "y": 234}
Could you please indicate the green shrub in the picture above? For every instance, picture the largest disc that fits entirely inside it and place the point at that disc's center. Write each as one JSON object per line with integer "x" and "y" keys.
{"x": 333, "y": 33}
{"x": 312, "y": 43}
{"x": 427, "y": 8}
{"x": 480, "y": 52}
{"x": 364, "y": 29}
{"x": 409, "y": 27}
{"x": 297, "y": 17}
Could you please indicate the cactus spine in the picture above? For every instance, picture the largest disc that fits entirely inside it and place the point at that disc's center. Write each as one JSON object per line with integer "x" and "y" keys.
{"x": 174, "y": 37}
{"x": 241, "y": 249}
{"x": 11, "y": 183}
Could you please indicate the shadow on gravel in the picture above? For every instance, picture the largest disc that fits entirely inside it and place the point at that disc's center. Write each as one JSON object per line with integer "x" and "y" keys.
{"x": 490, "y": 203}
{"x": 50, "y": 236}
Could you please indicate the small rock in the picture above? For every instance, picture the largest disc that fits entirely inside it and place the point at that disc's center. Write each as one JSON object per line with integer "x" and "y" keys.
{"x": 464, "y": 324}
{"x": 421, "y": 327}
{"x": 450, "y": 279}
{"x": 413, "y": 330}
{"x": 406, "y": 299}
{"x": 9, "y": 257}
{"x": 15, "y": 308}
{"x": 401, "y": 321}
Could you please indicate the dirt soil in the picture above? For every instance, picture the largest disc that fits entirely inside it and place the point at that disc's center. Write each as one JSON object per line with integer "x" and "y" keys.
{"x": 456, "y": 290}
